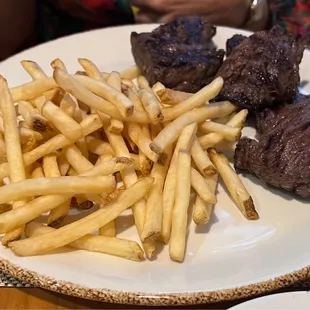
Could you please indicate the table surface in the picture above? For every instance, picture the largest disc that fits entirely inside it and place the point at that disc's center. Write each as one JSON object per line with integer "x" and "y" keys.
{"x": 34, "y": 298}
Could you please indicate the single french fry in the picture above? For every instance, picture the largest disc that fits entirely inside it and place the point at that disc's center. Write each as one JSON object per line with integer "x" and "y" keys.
{"x": 143, "y": 142}
{"x": 151, "y": 105}
{"x": 51, "y": 170}
{"x": 63, "y": 164}
{"x": 58, "y": 63}
{"x": 37, "y": 171}
{"x": 177, "y": 242}
{"x": 97, "y": 146}
{"x": 172, "y": 97}
{"x": 75, "y": 158}
{"x": 158, "y": 87}
{"x": 184, "y": 142}
{"x": 17, "y": 171}
{"x": 201, "y": 187}
{"x": 89, "y": 125}
{"x": 68, "y": 104}
{"x": 172, "y": 131}
{"x": 202, "y": 210}
{"x": 154, "y": 205}
{"x": 60, "y": 185}
{"x": 202, "y": 159}
{"x": 3, "y": 157}
{"x": 200, "y": 98}
{"x": 129, "y": 177}
{"x": 33, "y": 89}
{"x": 33, "y": 69}
{"x": 62, "y": 121}
{"x": 113, "y": 246}
{"x": 238, "y": 120}
{"x": 223, "y": 120}
{"x": 84, "y": 226}
{"x": 114, "y": 80}
{"x": 227, "y": 132}
{"x": 108, "y": 230}
{"x": 116, "y": 126}
{"x": 237, "y": 190}
{"x": 131, "y": 73}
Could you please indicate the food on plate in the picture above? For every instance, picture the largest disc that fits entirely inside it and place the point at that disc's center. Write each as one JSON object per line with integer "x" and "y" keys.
{"x": 108, "y": 141}
{"x": 180, "y": 54}
{"x": 263, "y": 70}
{"x": 234, "y": 41}
{"x": 281, "y": 156}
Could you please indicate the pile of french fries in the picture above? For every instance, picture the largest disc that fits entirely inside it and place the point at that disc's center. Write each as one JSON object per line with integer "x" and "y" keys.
{"x": 111, "y": 140}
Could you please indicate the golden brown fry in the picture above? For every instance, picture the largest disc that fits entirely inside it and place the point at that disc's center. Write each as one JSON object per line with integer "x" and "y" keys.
{"x": 143, "y": 142}
{"x": 97, "y": 146}
{"x": 79, "y": 91}
{"x": 3, "y": 157}
{"x": 200, "y": 98}
{"x": 113, "y": 246}
{"x": 114, "y": 80}
{"x": 59, "y": 213}
{"x": 227, "y": 132}
{"x": 171, "y": 132}
{"x": 108, "y": 230}
{"x": 33, "y": 69}
{"x": 156, "y": 88}
{"x": 154, "y": 205}
{"x": 151, "y": 105}
{"x": 37, "y": 171}
{"x": 63, "y": 164}
{"x": 82, "y": 227}
{"x": 75, "y": 158}
{"x": 58, "y": 63}
{"x": 50, "y": 166}
{"x": 237, "y": 190}
{"x": 177, "y": 242}
{"x": 33, "y": 89}
{"x": 17, "y": 171}
{"x": 129, "y": 177}
{"x": 131, "y": 73}
{"x": 172, "y": 97}
{"x": 184, "y": 142}
{"x": 238, "y": 120}
{"x": 62, "y": 121}
{"x": 202, "y": 159}
{"x": 51, "y": 186}
{"x": 202, "y": 210}
{"x": 143, "y": 83}
{"x": 68, "y": 104}
{"x": 201, "y": 187}
{"x": 89, "y": 125}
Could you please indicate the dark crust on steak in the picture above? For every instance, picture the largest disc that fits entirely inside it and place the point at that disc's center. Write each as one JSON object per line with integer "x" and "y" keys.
{"x": 233, "y": 42}
{"x": 180, "y": 54}
{"x": 282, "y": 156}
{"x": 263, "y": 70}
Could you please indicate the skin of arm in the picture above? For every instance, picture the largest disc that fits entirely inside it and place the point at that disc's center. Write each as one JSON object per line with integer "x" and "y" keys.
{"x": 17, "y": 24}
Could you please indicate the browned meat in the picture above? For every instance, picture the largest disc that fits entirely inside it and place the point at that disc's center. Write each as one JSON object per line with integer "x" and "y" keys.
{"x": 180, "y": 54}
{"x": 282, "y": 156}
{"x": 233, "y": 42}
{"x": 263, "y": 70}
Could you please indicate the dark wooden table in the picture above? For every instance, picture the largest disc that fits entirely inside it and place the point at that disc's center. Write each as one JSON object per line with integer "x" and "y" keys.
{"x": 33, "y": 298}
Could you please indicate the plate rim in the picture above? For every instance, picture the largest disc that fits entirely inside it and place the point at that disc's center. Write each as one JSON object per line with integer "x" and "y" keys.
{"x": 153, "y": 299}
{"x": 145, "y": 298}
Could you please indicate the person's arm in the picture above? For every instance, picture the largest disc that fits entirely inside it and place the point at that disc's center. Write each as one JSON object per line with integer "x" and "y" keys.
{"x": 17, "y": 24}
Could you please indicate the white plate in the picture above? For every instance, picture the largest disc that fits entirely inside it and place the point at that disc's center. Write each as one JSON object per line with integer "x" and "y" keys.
{"x": 285, "y": 301}
{"x": 229, "y": 253}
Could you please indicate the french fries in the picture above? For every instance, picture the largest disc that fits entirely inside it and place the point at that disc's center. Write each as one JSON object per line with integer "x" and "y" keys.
{"x": 240, "y": 195}
{"x": 88, "y": 224}
{"x": 105, "y": 142}
{"x": 113, "y": 246}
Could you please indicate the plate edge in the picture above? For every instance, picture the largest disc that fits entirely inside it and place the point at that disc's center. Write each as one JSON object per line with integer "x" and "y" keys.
{"x": 152, "y": 299}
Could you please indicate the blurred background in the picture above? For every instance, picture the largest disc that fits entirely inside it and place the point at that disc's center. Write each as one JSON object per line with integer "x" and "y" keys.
{"x": 25, "y": 23}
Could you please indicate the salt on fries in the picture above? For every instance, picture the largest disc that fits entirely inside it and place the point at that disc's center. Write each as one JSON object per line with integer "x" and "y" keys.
{"x": 111, "y": 139}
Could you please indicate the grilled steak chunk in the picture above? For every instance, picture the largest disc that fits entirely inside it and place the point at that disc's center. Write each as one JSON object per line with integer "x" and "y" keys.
{"x": 234, "y": 41}
{"x": 263, "y": 70}
{"x": 282, "y": 156}
{"x": 180, "y": 54}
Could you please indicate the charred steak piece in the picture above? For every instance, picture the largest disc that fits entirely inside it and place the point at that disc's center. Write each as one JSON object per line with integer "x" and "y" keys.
{"x": 233, "y": 42}
{"x": 180, "y": 54}
{"x": 282, "y": 156}
{"x": 263, "y": 70}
